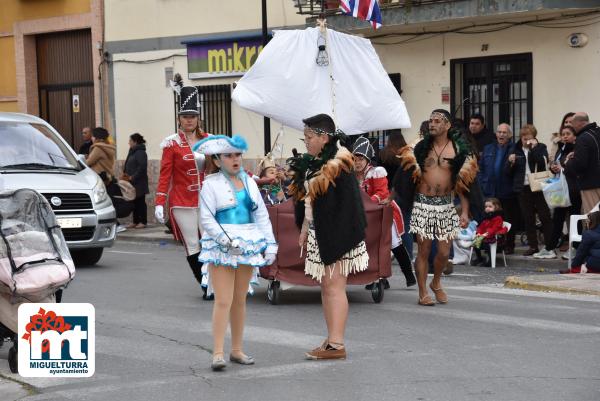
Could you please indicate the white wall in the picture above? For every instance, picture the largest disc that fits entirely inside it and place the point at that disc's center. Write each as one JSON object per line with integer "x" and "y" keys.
{"x": 140, "y": 19}
{"x": 144, "y": 104}
{"x": 142, "y": 101}
{"x": 564, "y": 78}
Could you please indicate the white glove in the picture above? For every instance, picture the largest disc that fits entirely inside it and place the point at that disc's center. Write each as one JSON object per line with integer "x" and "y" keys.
{"x": 159, "y": 214}
{"x": 270, "y": 258}
{"x": 223, "y": 240}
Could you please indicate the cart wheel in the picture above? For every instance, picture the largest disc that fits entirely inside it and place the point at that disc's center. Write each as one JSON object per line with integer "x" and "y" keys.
{"x": 13, "y": 360}
{"x": 377, "y": 292}
{"x": 274, "y": 292}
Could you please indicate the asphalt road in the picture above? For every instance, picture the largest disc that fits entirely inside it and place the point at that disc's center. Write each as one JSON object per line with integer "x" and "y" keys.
{"x": 153, "y": 341}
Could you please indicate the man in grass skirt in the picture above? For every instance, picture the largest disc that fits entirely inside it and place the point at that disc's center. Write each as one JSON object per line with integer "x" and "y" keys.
{"x": 440, "y": 166}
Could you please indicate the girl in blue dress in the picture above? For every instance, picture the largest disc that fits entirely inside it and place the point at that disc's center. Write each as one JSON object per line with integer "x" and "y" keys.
{"x": 237, "y": 239}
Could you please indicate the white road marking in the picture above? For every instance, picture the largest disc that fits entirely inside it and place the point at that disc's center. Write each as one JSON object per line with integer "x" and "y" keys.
{"x": 280, "y": 370}
{"x": 497, "y": 289}
{"x": 492, "y": 318}
{"x": 132, "y": 253}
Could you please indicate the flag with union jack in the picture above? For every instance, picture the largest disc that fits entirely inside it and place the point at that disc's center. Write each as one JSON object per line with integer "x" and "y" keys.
{"x": 366, "y": 10}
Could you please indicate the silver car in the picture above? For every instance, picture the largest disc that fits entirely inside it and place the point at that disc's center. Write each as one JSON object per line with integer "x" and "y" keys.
{"x": 34, "y": 155}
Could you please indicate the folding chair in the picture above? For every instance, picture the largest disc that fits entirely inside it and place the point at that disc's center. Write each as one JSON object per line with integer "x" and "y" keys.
{"x": 574, "y": 235}
{"x": 494, "y": 248}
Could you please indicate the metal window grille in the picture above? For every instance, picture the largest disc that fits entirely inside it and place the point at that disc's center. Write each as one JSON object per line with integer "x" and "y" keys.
{"x": 499, "y": 88}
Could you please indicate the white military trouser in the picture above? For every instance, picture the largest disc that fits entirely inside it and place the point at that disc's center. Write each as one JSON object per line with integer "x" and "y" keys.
{"x": 188, "y": 223}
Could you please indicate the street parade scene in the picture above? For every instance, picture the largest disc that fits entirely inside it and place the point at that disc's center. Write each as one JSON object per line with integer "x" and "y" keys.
{"x": 299, "y": 199}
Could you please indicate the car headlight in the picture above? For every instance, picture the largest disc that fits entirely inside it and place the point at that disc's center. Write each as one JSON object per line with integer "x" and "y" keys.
{"x": 99, "y": 191}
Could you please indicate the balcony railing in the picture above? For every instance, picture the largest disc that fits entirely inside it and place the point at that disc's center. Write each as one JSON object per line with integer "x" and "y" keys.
{"x": 332, "y": 7}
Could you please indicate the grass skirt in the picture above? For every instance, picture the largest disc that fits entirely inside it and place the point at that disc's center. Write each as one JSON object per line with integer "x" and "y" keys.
{"x": 354, "y": 261}
{"x": 434, "y": 217}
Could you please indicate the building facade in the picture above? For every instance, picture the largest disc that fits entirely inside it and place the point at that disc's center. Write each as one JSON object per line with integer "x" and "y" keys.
{"x": 51, "y": 54}
{"x": 515, "y": 62}
{"x": 209, "y": 43}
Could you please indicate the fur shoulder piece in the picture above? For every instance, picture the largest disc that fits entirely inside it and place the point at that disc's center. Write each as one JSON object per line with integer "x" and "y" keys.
{"x": 408, "y": 161}
{"x": 376, "y": 172}
{"x": 320, "y": 182}
{"x": 467, "y": 174}
{"x": 170, "y": 141}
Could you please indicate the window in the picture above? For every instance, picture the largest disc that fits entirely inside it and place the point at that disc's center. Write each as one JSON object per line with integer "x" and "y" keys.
{"x": 498, "y": 87}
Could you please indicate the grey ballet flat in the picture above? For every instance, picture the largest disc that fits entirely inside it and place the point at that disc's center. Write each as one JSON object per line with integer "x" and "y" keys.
{"x": 245, "y": 360}
{"x": 218, "y": 364}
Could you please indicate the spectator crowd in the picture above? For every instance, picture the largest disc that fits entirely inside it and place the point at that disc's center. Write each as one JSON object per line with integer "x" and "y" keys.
{"x": 514, "y": 167}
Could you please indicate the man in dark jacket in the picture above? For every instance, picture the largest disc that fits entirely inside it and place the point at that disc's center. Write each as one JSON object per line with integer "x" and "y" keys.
{"x": 585, "y": 160}
{"x": 478, "y": 133}
{"x": 530, "y": 156}
{"x": 86, "y": 135}
{"x": 496, "y": 182}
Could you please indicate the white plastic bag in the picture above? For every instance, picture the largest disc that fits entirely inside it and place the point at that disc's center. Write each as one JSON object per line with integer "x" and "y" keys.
{"x": 287, "y": 85}
{"x": 556, "y": 191}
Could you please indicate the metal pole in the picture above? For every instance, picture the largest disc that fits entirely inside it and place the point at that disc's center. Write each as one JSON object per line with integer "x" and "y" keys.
{"x": 265, "y": 39}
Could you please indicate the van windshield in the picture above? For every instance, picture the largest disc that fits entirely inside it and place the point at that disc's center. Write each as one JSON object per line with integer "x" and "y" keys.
{"x": 33, "y": 146}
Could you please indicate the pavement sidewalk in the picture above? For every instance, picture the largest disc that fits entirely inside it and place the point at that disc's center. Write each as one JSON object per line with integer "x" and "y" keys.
{"x": 152, "y": 233}
{"x": 587, "y": 283}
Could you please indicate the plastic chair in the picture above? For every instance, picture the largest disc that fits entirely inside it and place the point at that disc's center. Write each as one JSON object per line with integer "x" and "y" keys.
{"x": 494, "y": 248}
{"x": 574, "y": 235}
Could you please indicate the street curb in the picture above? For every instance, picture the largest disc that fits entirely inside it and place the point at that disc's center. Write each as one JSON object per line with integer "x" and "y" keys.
{"x": 517, "y": 283}
{"x": 131, "y": 239}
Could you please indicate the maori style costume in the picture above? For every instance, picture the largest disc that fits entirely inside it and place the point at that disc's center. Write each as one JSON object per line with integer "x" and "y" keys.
{"x": 435, "y": 217}
{"x": 329, "y": 208}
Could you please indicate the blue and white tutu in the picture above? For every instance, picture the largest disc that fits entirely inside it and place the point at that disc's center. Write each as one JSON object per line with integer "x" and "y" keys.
{"x": 251, "y": 243}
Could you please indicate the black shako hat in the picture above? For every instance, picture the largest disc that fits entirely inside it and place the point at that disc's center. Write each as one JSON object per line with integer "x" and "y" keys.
{"x": 189, "y": 101}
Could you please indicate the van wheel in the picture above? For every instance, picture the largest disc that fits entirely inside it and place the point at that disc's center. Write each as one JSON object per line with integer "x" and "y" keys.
{"x": 86, "y": 257}
{"x": 13, "y": 360}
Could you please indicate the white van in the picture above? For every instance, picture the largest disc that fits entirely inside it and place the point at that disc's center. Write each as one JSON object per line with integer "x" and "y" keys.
{"x": 34, "y": 155}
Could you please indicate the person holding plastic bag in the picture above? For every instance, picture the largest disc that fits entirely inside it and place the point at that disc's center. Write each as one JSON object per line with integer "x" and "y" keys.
{"x": 573, "y": 193}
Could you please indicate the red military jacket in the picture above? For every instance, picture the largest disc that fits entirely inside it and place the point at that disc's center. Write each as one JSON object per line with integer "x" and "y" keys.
{"x": 375, "y": 184}
{"x": 179, "y": 180}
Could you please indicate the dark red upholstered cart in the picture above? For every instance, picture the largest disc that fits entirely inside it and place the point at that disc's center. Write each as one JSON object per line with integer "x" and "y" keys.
{"x": 289, "y": 267}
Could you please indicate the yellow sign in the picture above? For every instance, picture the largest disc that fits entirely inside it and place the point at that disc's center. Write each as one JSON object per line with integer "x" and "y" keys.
{"x": 222, "y": 59}
{"x": 75, "y": 103}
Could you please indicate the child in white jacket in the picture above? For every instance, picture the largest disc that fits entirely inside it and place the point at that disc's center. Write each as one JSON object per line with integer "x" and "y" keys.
{"x": 237, "y": 238}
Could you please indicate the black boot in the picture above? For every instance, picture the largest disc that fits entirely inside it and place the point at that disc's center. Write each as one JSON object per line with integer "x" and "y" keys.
{"x": 403, "y": 259}
{"x": 196, "y": 267}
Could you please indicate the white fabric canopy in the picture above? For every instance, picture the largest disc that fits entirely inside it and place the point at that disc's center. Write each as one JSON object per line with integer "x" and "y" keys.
{"x": 287, "y": 85}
